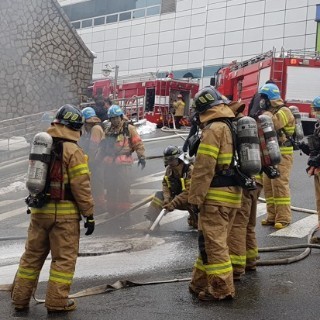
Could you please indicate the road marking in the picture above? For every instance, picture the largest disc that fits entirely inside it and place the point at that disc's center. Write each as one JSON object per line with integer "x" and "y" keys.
{"x": 147, "y": 180}
{"x": 299, "y": 229}
{"x": 160, "y": 173}
{"x": 143, "y": 191}
{"x": 10, "y": 214}
{"x": 4, "y": 203}
{"x": 261, "y": 209}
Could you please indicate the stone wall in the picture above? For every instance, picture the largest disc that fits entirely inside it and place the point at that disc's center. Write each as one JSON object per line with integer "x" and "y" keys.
{"x": 43, "y": 62}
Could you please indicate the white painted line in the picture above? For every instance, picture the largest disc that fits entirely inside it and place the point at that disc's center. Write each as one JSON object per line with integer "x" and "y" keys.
{"x": 7, "y": 202}
{"x": 147, "y": 180}
{"x": 261, "y": 209}
{"x": 144, "y": 191}
{"x": 160, "y": 173}
{"x": 10, "y": 214}
{"x": 298, "y": 229}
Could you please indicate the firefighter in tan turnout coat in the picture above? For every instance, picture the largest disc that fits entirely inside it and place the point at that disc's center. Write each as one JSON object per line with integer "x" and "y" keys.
{"x": 54, "y": 227}
{"x": 218, "y": 197}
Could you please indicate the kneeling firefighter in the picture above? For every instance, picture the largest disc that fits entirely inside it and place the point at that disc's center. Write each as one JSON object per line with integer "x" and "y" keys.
{"x": 60, "y": 192}
{"x": 277, "y": 190}
{"x": 217, "y": 194}
{"x": 115, "y": 154}
{"x": 175, "y": 187}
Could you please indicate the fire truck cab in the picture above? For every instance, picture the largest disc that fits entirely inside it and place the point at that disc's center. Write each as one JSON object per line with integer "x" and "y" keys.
{"x": 147, "y": 96}
{"x": 296, "y": 73}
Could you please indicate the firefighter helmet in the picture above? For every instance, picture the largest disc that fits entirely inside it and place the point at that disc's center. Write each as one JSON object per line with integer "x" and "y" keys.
{"x": 207, "y": 98}
{"x": 70, "y": 116}
{"x": 316, "y": 103}
{"x": 171, "y": 153}
{"x": 115, "y": 111}
{"x": 271, "y": 91}
{"x": 88, "y": 113}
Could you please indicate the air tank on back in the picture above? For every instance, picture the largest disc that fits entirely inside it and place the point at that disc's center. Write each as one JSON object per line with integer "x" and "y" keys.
{"x": 299, "y": 135}
{"x": 270, "y": 150}
{"x": 39, "y": 162}
{"x": 248, "y": 146}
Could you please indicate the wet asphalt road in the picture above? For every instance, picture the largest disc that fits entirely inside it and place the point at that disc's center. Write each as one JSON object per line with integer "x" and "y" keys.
{"x": 273, "y": 292}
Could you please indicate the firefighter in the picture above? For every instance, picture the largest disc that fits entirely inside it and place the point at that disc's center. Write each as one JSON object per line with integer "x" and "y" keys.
{"x": 100, "y": 108}
{"x": 277, "y": 191}
{"x": 89, "y": 141}
{"x": 178, "y": 106}
{"x": 312, "y": 149}
{"x": 175, "y": 187}
{"x": 115, "y": 152}
{"x": 242, "y": 240}
{"x": 218, "y": 197}
{"x": 55, "y": 226}
{"x": 92, "y": 133}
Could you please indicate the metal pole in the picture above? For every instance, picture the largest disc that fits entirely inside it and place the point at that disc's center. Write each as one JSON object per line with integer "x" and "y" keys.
{"x": 115, "y": 81}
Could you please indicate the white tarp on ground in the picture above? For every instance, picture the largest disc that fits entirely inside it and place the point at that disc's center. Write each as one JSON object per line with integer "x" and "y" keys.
{"x": 144, "y": 127}
{"x": 13, "y": 143}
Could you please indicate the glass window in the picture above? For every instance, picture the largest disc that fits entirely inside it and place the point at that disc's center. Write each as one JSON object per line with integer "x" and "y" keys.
{"x": 138, "y": 13}
{"x": 153, "y": 11}
{"x": 76, "y": 24}
{"x": 209, "y": 71}
{"x": 86, "y": 23}
{"x": 141, "y": 3}
{"x": 125, "y": 16}
{"x": 113, "y": 18}
{"x": 152, "y": 2}
{"x": 99, "y": 21}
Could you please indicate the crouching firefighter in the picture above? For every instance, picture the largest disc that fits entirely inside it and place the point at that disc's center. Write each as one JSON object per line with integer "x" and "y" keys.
{"x": 59, "y": 185}
{"x": 217, "y": 194}
{"x": 175, "y": 187}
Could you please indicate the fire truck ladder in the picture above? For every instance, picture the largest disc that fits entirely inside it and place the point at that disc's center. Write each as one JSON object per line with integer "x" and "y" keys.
{"x": 277, "y": 69}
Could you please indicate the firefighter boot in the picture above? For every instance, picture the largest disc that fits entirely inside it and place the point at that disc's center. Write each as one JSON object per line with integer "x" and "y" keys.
{"x": 316, "y": 237}
{"x": 198, "y": 281}
{"x": 71, "y": 305}
{"x": 219, "y": 288}
{"x": 238, "y": 272}
{"x": 251, "y": 265}
{"x": 281, "y": 225}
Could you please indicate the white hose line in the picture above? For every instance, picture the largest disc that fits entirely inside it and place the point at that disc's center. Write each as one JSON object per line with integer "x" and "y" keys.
{"x": 294, "y": 208}
{"x": 164, "y": 138}
{"x": 166, "y": 129}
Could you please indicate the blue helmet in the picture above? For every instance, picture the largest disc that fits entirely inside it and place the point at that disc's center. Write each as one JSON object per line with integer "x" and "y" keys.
{"x": 271, "y": 91}
{"x": 316, "y": 103}
{"x": 115, "y": 111}
{"x": 88, "y": 113}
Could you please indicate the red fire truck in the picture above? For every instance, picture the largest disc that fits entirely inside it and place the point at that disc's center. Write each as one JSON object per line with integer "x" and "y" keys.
{"x": 148, "y": 96}
{"x": 296, "y": 73}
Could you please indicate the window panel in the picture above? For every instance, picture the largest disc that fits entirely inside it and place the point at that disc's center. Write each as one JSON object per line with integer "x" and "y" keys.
{"x": 135, "y": 64}
{"x": 195, "y": 56}
{"x": 234, "y": 24}
{"x": 232, "y": 51}
{"x": 253, "y": 34}
{"x": 296, "y": 3}
{"x": 254, "y": 8}
{"x": 138, "y": 13}
{"x": 180, "y": 58}
{"x": 124, "y": 32}
{"x": 180, "y": 46}
{"x": 151, "y": 38}
{"x": 163, "y": 61}
{"x": 76, "y": 24}
{"x": 197, "y": 32}
{"x": 123, "y": 54}
{"x": 273, "y": 32}
{"x": 98, "y": 36}
{"x": 235, "y": 11}
{"x": 213, "y": 52}
{"x": 167, "y": 24}
{"x": 293, "y": 29}
{"x": 216, "y": 27}
{"x": 198, "y": 19}
{"x": 137, "y": 41}
{"x": 99, "y": 21}
{"x": 153, "y": 11}
{"x": 295, "y": 15}
{"x": 216, "y": 14}
{"x": 86, "y": 23}
{"x": 296, "y": 42}
{"x": 233, "y": 37}
{"x": 166, "y": 36}
{"x": 183, "y": 22}
{"x": 125, "y": 16}
{"x": 123, "y": 43}
{"x": 137, "y": 30}
{"x": 151, "y": 50}
{"x": 275, "y": 5}
{"x": 253, "y": 21}
{"x": 111, "y": 19}
{"x": 269, "y": 44}
{"x": 136, "y": 52}
{"x": 252, "y": 48}
{"x": 182, "y": 34}
{"x": 274, "y": 18}
{"x": 165, "y": 48}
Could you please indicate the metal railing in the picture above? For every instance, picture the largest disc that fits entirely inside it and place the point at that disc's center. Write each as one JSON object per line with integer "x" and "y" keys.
{"x": 133, "y": 107}
{"x": 117, "y": 17}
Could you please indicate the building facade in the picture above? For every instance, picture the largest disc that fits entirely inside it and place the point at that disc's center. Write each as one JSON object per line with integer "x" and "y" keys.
{"x": 189, "y": 37}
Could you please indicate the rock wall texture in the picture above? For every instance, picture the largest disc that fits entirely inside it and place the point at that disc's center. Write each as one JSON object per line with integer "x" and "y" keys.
{"x": 43, "y": 62}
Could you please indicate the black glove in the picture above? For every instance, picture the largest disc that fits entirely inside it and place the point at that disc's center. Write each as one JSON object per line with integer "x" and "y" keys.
{"x": 142, "y": 162}
{"x": 89, "y": 225}
{"x": 304, "y": 148}
{"x": 314, "y": 161}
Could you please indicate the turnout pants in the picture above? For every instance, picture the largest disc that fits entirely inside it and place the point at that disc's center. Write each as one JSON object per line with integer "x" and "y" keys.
{"x": 277, "y": 192}
{"x": 243, "y": 246}
{"x": 212, "y": 271}
{"x": 61, "y": 237}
